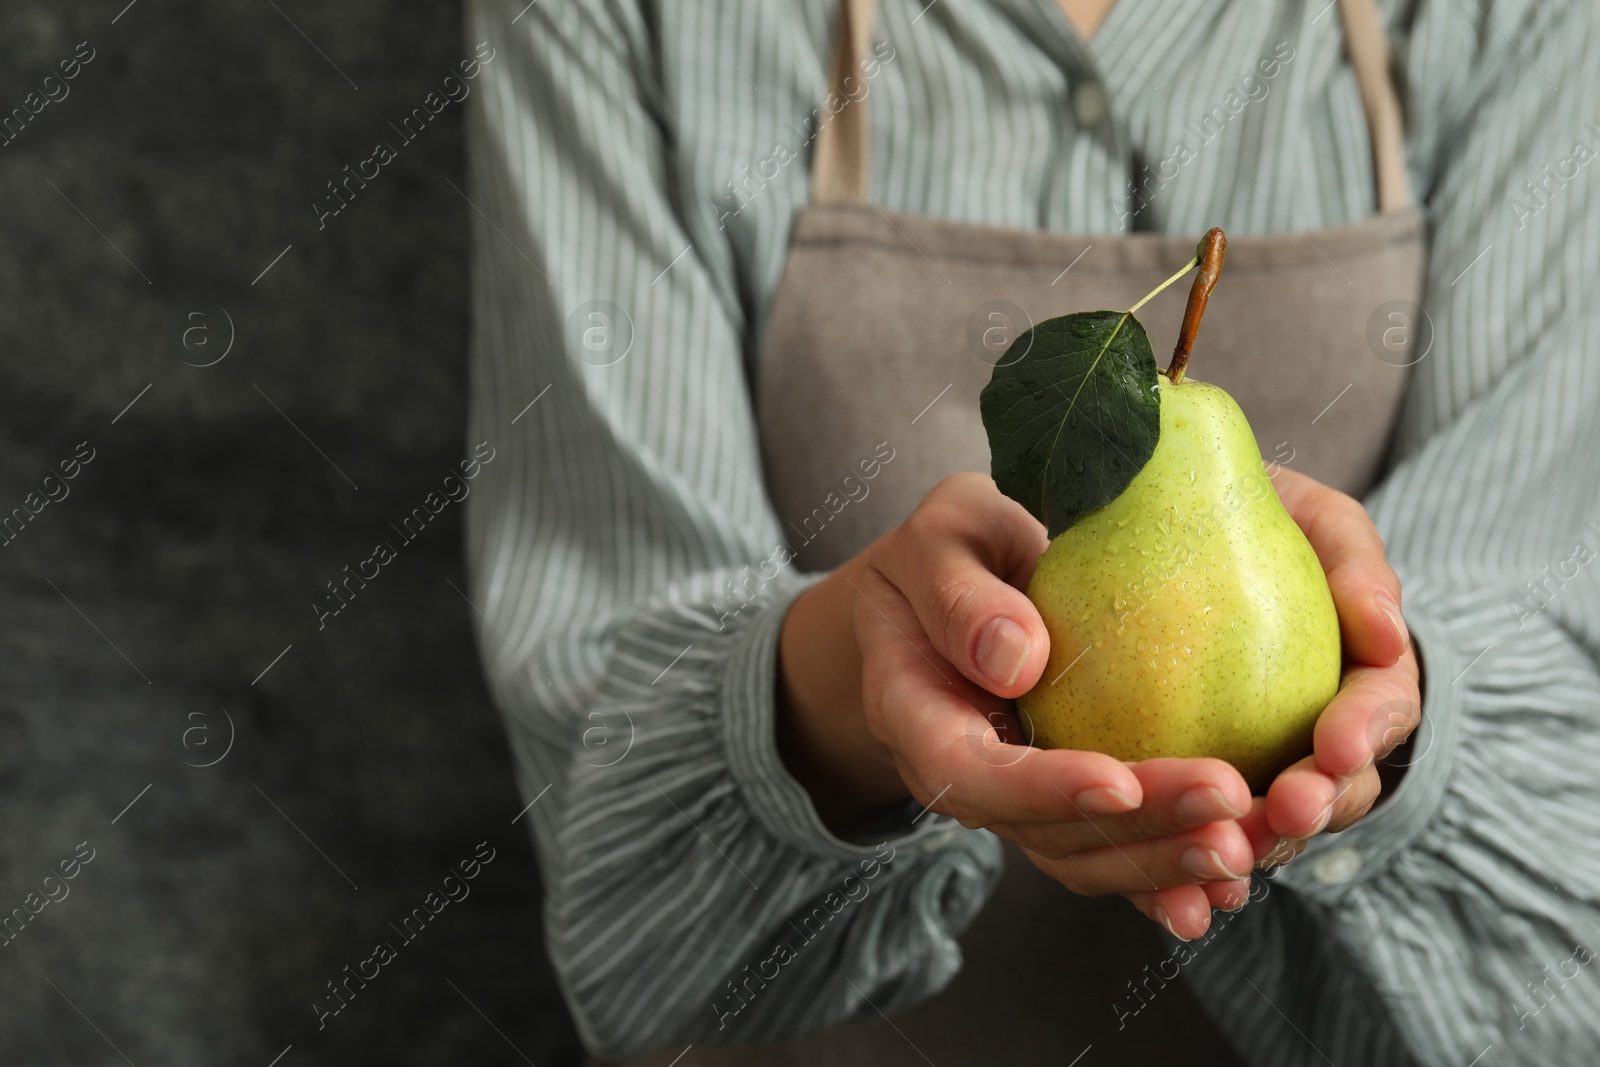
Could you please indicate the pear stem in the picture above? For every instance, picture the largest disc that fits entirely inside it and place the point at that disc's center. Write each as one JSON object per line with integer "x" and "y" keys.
{"x": 1211, "y": 249}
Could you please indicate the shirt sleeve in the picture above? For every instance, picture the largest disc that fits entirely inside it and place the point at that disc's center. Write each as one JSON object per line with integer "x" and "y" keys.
{"x": 631, "y": 581}
{"x": 1461, "y": 915}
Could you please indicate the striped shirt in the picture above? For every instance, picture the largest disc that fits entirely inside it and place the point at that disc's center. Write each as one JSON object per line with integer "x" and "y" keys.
{"x": 636, "y": 168}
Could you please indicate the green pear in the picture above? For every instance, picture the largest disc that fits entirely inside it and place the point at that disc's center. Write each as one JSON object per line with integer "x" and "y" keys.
{"x": 1189, "y": 616}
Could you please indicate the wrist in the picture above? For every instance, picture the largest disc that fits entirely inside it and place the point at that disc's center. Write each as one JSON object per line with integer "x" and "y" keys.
{"x": 822, "y": 732}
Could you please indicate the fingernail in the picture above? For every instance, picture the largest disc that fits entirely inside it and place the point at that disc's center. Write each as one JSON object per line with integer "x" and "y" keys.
{"x": 1206, "y": 804}
{"x": 1206, "y": 863}
{"x": 1002, "y": 650}
{"x": 1103, "y": 800}
{"x": 1278, "y": 854}
{"x": 1274, "y": 855}
{"x": 1391, "y": 610}
{"x": 1235, "y": 902}
{"x": 1322, "y": 821}
{"x": 1166, "y": 920}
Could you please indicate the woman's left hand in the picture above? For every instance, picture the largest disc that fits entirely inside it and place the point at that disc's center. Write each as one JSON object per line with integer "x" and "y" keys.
{"x": 1379, "y": 702}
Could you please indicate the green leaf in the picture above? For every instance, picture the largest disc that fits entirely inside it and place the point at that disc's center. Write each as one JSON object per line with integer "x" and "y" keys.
{"x": 1075, "y": 417}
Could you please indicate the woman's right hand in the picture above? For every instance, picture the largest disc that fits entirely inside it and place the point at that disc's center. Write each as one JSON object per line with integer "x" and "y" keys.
{"x": 944, "y": 639}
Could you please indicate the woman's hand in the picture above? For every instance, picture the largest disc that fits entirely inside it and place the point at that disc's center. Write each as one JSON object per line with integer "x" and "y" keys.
{"x": 1379, "y": 702}
{"x": 917, "y": 694}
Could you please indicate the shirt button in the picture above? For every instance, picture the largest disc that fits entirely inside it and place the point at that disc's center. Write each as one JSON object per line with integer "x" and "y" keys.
{"x": 1089, "y": 103}
{"x": 1337, "y": 867}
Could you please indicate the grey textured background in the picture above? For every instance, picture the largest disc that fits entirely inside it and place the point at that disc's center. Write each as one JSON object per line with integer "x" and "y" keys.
{"x": 190, "y": 550}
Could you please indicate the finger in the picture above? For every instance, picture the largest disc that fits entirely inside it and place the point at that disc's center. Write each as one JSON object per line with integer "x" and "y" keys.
{"x": 1287, "y": 848}
{"x": 1300, "y": 800}
{"x": 1269, "y": 848}
{"x": 943, "y": 730}
{"x": 1179, "y": 795}
{"x": 1304, "y": 801}
{"x": 1366, "y": 591}
{"x": 1260, "y": 835}
{"x": 1183, "y": 793}
{"x": 1228, "y": 896}
{"x": 1374, "y": 711}
{"x": 960, "y": 559}
{"x": 1217, "y": 852}
{"x": 1357, "y": 794}
{"x": 1184, "y": 911}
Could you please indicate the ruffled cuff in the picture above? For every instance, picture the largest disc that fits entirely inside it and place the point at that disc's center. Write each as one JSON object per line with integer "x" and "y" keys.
{"x": 695, "y": 854}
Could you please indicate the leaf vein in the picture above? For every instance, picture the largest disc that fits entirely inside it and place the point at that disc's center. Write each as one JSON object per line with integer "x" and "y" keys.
{"x": 1044, "y": 476}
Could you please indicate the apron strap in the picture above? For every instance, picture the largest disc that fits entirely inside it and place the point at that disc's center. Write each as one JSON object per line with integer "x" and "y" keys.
{"x": 842, "y": 167}
{"x": 1369, "y": 55}
{"x": 841, "y": 170}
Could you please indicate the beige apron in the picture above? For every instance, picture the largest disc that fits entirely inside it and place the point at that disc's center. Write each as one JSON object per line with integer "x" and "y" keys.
{"x": 884, "y": 330}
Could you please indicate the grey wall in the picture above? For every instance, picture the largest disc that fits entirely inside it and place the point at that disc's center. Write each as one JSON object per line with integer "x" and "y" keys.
{"x": 367, "y": 762}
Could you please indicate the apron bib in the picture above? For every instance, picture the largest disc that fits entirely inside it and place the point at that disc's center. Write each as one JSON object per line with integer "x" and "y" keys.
{"x": 874, "y": 344}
